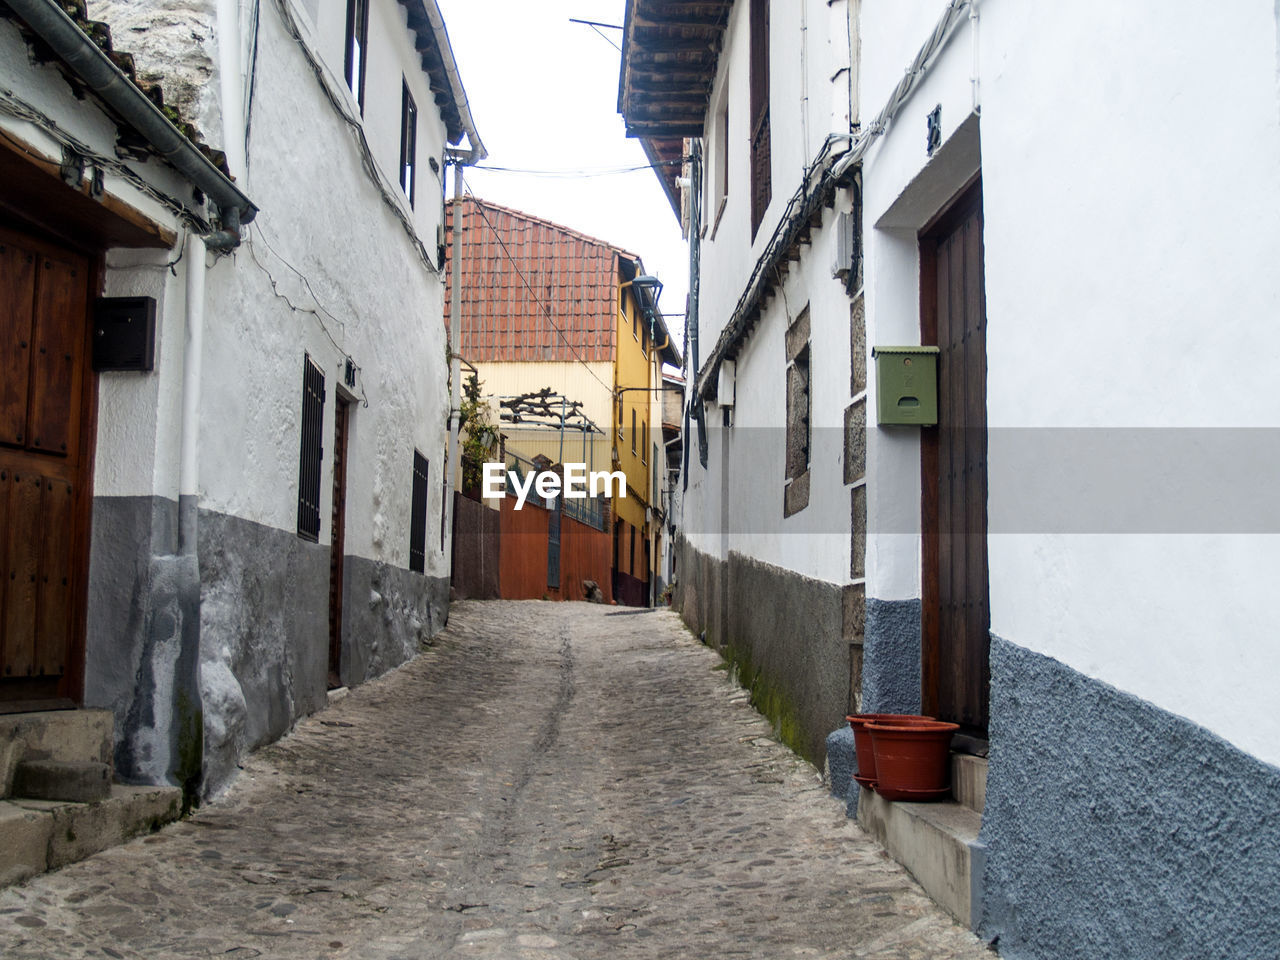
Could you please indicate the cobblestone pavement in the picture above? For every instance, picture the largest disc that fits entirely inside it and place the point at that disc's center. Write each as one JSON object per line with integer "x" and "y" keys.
{"x": 547, "y": 781}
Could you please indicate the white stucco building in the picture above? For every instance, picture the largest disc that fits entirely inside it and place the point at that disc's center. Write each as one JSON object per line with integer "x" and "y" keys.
{"x": 1074, "y": 206}
{"x": 765, "y": 562}
{"x": 262, "y": 507}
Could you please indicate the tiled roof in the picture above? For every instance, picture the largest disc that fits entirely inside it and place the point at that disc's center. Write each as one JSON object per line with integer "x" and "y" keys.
{"x": 100, "y": 33}
{"x": 533, "y": 289}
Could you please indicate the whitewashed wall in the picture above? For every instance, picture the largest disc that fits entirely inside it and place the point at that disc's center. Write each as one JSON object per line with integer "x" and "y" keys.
{"x": 376, "y": 299}
{"x": 1129, "y": 279}
{"x": 809, "y": 100}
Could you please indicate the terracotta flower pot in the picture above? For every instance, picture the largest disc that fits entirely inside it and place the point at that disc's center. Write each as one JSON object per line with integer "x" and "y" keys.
{"x": 866, "y": 774}
{"x": 912, "y": 759}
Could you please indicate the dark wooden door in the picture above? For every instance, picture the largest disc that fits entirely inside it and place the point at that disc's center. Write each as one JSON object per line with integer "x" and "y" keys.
{"x": 956, "y": 617}
{"x": 337, "y": 547}
{"x": 45, "y": 406}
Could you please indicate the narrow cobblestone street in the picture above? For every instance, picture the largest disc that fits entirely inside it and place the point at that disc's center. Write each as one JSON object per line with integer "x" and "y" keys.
{"x": 547, "y": 781}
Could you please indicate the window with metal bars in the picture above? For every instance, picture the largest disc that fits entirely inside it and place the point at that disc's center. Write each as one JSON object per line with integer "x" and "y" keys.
{"x": 761, "y": 168}
{"x": 418, "y": 515}
{"x": 312, "y": 451}
{"x": 408, "y": 140}
{"x": 357, "y": 52}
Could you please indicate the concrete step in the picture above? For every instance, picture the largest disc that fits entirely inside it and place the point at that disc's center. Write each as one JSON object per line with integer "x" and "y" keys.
{"x": 66, "y": 736}
{"x": 937, "y": 843}
{"x": 62, "y": 780}
{"x": 40, "y": 835}
{"x": 969, "y": 781}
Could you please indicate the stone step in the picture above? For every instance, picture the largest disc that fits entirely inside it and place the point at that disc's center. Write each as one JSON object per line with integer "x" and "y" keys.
{"x": 969, "y": 781}
{"x": 67, "y": 736}
{"x": 40, "y": 835}
{"x": 937, "y": 843}
{"x": 61, "y": 780}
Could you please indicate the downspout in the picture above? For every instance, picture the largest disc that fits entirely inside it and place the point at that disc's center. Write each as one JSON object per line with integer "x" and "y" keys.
{"x": 192, "y": 364}
{"x": 187, "y": 762}
{"x": 231, "y": 85}
{"x": 452, "y": 466}
{"x": 106, "y": 80}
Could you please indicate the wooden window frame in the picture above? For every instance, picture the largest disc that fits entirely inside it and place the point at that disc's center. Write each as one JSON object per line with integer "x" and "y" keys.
{"x": 760, "y": 136}
{"x": 356, "y": 53}
{"x": 718, "y": 182}
{"x": 408, "y": 141}
{"x": 311, "y": 450}
{"x": 418, "y": 513}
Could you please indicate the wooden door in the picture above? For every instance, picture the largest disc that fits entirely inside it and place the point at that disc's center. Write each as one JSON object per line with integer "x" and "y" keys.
{"x": 956, "y": 617}
{"x": 337, "y": 546}
{"x": 45, "y": 444}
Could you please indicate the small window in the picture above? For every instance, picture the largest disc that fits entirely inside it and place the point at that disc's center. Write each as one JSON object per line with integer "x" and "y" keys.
{"x": 408, "y": 141}
{"x": 635, "y": 323}
{"x": 633, "y": 431}
{"x": 796, "y": 495}
{"x": 718, "y": 182}
{"x": 312, "y": 450}
{"x": 357, "y": 47}
{"x": 644, "y": 441}
{"x": 761, "y": 165}
{"x": 418, "y": 515}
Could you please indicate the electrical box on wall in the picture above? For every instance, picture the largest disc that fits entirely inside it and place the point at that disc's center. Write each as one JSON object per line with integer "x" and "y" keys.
{"x": 124, "y": 333}
{"x": 906, "y": 385}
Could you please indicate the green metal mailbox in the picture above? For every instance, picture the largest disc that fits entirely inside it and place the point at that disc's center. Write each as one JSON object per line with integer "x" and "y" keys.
{"x": 906, "y": 385}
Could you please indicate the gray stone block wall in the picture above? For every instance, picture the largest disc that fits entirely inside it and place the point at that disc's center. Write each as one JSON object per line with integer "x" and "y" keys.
{"x": 1116, "y": 829}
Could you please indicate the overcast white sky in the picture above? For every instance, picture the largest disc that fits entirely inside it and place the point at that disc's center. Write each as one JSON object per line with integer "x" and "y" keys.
{"x": 544, "y": 95}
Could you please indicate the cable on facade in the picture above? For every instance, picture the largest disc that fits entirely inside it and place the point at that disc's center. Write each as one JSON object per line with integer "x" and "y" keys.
{"x": 19, "y": 109}
{"x": 316, "y": 312}
{"x": 371, "y": 168}
{"x": 582, "y": 174}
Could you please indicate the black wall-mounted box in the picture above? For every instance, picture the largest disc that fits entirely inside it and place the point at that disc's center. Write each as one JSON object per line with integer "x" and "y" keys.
{"x": 124, "y": 333}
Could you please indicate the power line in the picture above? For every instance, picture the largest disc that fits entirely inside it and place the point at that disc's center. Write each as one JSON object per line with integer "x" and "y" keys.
{"x": 581, "y": 173}
{"x": 457, "y": 215}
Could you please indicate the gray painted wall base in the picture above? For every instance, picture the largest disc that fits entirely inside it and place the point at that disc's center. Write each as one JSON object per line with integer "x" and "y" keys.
{"x": 891, "y": 657}
{"x": 1116, "y": 829}
{"x": 142, "y": 642}
{"x": 842, "y": 761}
{"x": 264, "y": 644}
{"x": 201, "y": 662}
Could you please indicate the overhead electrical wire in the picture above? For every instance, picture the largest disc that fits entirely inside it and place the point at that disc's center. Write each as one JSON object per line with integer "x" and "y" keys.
{"x": 479, "y": 205}
{"x": 583, "y": 173}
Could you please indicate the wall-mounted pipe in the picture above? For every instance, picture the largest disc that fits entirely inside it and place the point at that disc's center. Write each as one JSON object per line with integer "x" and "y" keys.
{"x": 106, "y": 80}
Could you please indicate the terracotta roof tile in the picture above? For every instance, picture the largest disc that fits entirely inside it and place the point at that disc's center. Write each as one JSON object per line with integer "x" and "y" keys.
{"x": 533, "y": 289}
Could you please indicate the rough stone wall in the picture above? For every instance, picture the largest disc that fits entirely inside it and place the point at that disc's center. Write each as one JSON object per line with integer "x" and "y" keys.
{"x": 264, "y": 642}
{"x": 174, "y": 44}
{"x": 1116, "y": 829}
{"x": 388, "y": 613}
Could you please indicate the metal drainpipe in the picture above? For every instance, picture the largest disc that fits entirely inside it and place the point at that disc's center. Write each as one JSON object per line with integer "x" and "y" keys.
{"x": 455, "y": 363}
{"x": 106, "y": 80}
{"x": 192, "y": 361}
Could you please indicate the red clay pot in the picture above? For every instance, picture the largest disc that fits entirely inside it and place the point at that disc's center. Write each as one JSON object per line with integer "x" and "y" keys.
{"x": 866, "y": 774}
{"x": 912, "y": 759}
